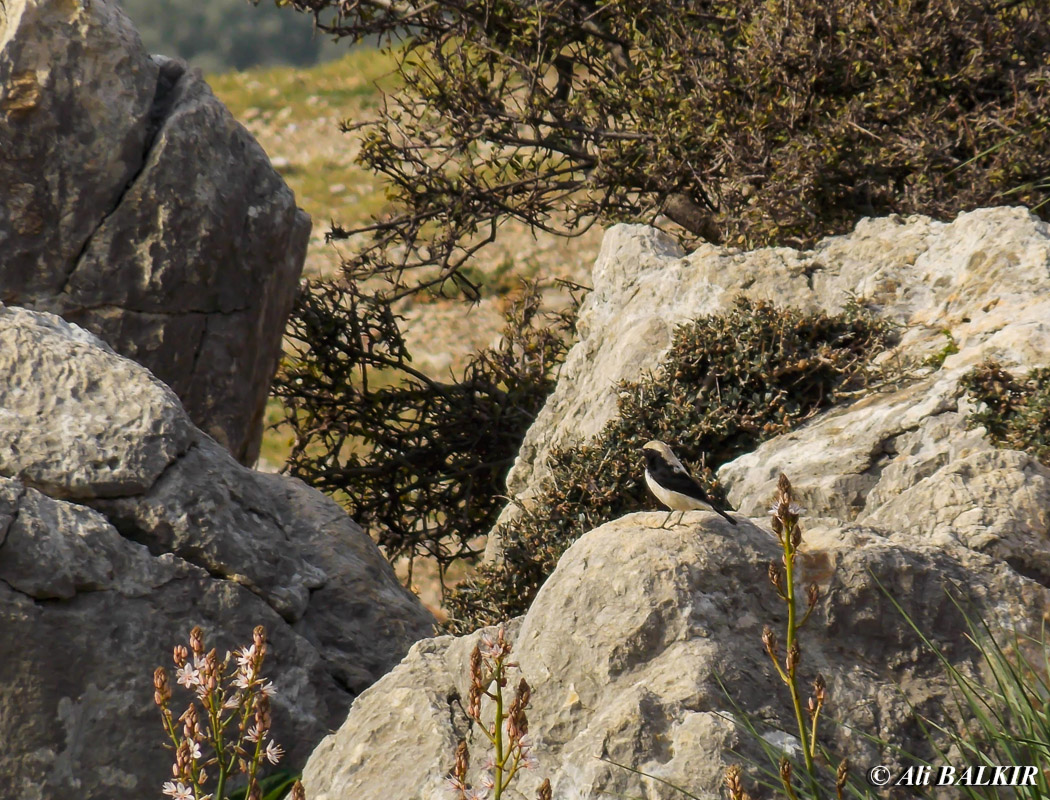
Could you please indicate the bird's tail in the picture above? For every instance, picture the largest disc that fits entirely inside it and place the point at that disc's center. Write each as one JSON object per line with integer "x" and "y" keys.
{"x": 725, "y": 515}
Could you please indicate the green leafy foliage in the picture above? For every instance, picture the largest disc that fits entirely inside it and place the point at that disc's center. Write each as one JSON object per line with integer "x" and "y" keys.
{"x": 1016, "y": 413}
{"x": 950, "y": 349}
{"x": 999, "y": 718}
{"x": 729, "y": 382}
{"x": 750, "y": 122}
{"x": 273, "y": 787}
{"x": 419, "y": 462}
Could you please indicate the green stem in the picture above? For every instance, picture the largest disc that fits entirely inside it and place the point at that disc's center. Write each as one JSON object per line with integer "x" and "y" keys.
{"x": 512, "y": 771}
{"x": 221, "y": 785}
{"x": 214, "y": 712}
{"x": 498, "y": 735}
{"x": 813, "y": 731}
{"x": 171, "y": 729}
{"x": 792, "y": 630}
{"x": 254, "y": 768}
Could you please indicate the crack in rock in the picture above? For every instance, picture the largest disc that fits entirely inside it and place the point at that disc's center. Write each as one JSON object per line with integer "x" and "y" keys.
{"x": 14, "y": 514}
{"x": 167, "y": 78}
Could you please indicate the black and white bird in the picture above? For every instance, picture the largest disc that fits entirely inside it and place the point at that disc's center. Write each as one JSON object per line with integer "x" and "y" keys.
{"x": 671, "y": 483}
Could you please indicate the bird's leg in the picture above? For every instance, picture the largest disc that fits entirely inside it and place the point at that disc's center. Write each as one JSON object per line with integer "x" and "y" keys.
{"x": 663, "y": 525}
{"x": 681, "y": 518}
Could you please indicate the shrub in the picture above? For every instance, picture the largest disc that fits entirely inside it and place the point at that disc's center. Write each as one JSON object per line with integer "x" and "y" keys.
{"x": 1016, "y": 413}
{"x": 420, "y": 462}
{"x": 729, "y": 382}
{"x": 747, "y": 122}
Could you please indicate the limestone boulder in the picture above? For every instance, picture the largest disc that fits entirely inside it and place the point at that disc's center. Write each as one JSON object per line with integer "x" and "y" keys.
{"x": 644, "y": 648}
{"x": 121, "y": 527}
{"x": 142, "y": 211}
{"x": 76, "y": 95}
{"x": 984, "y": 279}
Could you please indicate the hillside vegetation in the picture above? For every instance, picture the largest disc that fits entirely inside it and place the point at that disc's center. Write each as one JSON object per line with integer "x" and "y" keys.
{"x": 295, "y": 113}
{"x": 228, "y": 34}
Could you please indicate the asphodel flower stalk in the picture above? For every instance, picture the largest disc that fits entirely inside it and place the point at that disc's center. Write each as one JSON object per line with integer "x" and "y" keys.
{"x": 230, "y": 731}
{"x": 508, "y": 734}
{"x": 785, "y": 513}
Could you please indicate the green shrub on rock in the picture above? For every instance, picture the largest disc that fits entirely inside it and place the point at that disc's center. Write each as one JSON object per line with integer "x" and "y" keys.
{"x": 729, "y": 382}
{"x": 1016, "y": 412}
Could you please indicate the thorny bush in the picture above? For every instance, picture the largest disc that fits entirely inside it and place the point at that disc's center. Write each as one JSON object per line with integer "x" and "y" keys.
{"x": 729, "y": 382}
{"x": 747, "y": 122}
{"x": 420, "y": 462}
{"x": 1016, "y": 412}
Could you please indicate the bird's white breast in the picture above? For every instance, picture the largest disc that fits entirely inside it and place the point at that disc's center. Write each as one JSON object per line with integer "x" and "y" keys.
{"x": 673, "y": 500}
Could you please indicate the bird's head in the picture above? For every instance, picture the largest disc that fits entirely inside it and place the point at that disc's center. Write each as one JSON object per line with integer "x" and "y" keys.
{"x": 657, "y": 449}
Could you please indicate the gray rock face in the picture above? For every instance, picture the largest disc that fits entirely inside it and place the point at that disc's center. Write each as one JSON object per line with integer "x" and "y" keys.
{"x": 62, "y": 436}
{"x": 625, "y": 644}
{"x": 143, "y": 211}
{"x": 121, "y": 527}
{"x": 76, "y": 89}
{"x": 985, "y": 278}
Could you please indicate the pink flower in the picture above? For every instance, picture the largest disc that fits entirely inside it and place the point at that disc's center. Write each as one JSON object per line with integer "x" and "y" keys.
{"x": 273, "y": 752}
{"x": 178, "y": 791}
{"x": 487, "y": 645}
{"x": 455, "y": 784}
{"x": 245, "y": 656}
{"x": 187, "y": 676}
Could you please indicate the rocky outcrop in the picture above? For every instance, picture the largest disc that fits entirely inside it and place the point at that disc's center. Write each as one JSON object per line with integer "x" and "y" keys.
{"x": 121, "y": 527}
{"x": 630, "y": 641}
{"x": 626, "y": 643}
{"x": 984, "y": 278}
{"x": 138, "y": 208}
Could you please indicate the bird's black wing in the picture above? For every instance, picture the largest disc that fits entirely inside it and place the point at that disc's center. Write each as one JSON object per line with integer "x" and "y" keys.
{"x": 675, "y": 480}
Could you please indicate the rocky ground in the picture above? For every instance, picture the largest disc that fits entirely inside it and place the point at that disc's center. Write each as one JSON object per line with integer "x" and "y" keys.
{"x": 644, "y": 647}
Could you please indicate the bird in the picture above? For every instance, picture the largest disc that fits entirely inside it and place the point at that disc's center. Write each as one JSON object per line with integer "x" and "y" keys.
{"x": 671, "y": 483}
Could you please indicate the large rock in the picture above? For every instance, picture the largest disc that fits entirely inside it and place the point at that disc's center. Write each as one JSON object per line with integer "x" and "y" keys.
{"x": 628, "y": 640}
{"x": 76, "y": 93}
{"x": 626, "y": 643}
{"x": 984, "y": 278}
{"x": 140, "y": 209}
{"x": 121, "y": 527}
